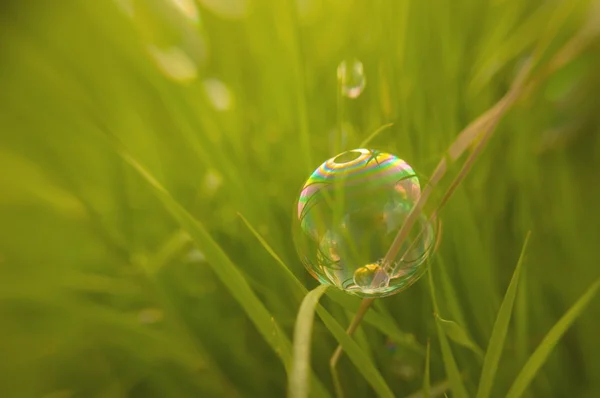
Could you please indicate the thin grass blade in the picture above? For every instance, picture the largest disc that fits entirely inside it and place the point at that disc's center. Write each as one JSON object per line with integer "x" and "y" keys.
{"x": 383, "y": 323}
{"x": 298, "y": 386}
{"x": 358, "y": 357}
{"x": 496, "y": 344}
{"x": 540, "y": 355}
{"x": 224, "y": 268}
{"x": 427, "y": 376}
{"x": 437, "y": 390}
{"x": 458, "y": 334}
{"x": 374, "y": 134}
{"x": 454, "y": 377}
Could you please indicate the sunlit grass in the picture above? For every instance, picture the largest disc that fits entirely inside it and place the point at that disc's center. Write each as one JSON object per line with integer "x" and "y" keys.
{"x": 126, "y": 270}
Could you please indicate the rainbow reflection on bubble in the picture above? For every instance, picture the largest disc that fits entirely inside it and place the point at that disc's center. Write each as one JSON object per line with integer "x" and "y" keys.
{"x": 349, "y": 212}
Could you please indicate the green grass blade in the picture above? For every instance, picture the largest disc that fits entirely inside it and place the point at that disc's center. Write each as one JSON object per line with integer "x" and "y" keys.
{"x": 374, "y": 134}
{"x": 427, "y": 376}
{"x": 449, "y": 293}
{"x": 221, "y": 264}
{"x": 298, "y": 385}
{"x": 458, "y": 334}
{"x": 358, "y": 357}
{"x": 456, "y": 383}
{"x": 540, "y": 355}
{"x": 496, "y": 344}
{"x": 270, "y": 250}
{"x": 522, "y": 320}
{"x": 380, "y": 321}
{"x": 172, "y": 246}
{"x": 224, "y": 268}
{"x": 437, "y": 390}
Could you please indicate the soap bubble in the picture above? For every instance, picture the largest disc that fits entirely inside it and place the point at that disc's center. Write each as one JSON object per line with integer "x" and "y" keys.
{"x": 351, "y": 78}
{"x": 348, "y": 213}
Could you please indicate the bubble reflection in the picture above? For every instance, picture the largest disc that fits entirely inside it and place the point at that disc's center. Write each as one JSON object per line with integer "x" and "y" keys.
{"x": 348, "y": 214}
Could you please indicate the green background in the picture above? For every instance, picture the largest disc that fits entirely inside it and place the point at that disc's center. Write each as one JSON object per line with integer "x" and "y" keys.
{"x": 103, "y": 293}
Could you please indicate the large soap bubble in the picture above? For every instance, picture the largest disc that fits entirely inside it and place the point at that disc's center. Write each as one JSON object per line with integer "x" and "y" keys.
{"x": 347, "y": 216}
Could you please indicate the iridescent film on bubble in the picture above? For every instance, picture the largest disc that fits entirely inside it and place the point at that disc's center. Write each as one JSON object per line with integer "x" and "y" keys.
{"x": 348, "y": 214}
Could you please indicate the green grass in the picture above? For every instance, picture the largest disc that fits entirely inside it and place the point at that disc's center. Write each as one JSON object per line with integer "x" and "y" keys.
{"x": 126, "y": 269}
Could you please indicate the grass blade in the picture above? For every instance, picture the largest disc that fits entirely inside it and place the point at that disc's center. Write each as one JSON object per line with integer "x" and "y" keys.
{"x": 380, "y": 321}
{"x": 540, "y": 355}
{"x": 437, "y": 390}
{"x": 226, "y": 270}
{"x": 298, "y": 385}
{"x": 458, "y": 334}
{"x": 172, "y": 246}
{"x": 278, "y": 259}
{"x": 358, "y": 357}
{"x": 454, "y": 377}
{"x": 496, "y": 344}
{"x": 449, "y": 292}
{"x": 356, "y": 354}
{"x": 223, "y": 267}
{"x": 427, "y": 376}
{"x": 374, "y": 134}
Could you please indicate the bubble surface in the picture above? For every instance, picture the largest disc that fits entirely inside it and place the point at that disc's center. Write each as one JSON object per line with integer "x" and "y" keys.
{"x": 351, "y": 78}
{"x": 348, "y": 213}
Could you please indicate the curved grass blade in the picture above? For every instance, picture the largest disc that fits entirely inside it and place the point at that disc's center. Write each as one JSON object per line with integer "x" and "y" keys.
{"x": 457, "y": 334}
{"x": 298, "y": 385}
{"x": 223, "y": 267}
{"x": 300, "y": 287}
{"x": 378, "y": 320}
{"x": 170, "y": 248}
{"x": 540, "y": 355}
{"x": 374, "y": 134}
{"x": 456, "y": 383}
{"x": 449, "y": 293}
{"x": 437, "y": 390}
{"x": 496, "y": 344}
{"x": 356, "y": 354}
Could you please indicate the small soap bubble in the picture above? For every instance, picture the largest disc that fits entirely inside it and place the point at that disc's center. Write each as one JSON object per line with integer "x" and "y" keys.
{"x": 351, "y": 78}
{"x": 348, "y": 214}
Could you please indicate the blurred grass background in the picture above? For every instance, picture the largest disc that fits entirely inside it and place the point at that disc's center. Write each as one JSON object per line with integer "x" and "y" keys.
{"x": 230, "y": 105}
